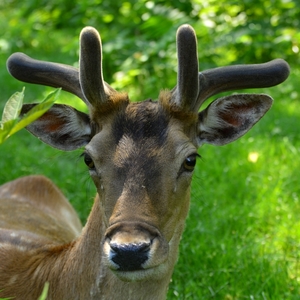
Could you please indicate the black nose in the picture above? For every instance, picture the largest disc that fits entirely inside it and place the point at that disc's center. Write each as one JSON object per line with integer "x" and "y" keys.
{"x": 129, "y": 257}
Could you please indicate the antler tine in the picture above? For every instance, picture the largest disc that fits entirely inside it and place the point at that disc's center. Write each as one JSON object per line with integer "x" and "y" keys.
{"x": 184, "y": 95}
{"x": 236, "y": 77}
{"x": 93, "y": 87}
{"x": 26, "y": 69}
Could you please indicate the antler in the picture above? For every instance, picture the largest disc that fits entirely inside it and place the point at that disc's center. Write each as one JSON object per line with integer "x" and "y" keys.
{"x": 186, "y": 92}
{"x": 26, "y": 69}
{"x": 91, "y": 78}
{"x": 236, "y": 77}
{"x": 194, "y": 88}
{"x": 86, "y": 83}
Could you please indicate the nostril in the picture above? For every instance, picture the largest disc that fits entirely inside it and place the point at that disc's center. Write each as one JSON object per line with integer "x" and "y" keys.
{"x": 129, "y": 257}
{"x": 140, "y": 247}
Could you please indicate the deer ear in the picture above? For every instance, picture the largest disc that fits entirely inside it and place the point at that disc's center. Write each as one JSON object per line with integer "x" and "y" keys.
{"x": 62, "y": 127}
{"x": 228, "y": 118}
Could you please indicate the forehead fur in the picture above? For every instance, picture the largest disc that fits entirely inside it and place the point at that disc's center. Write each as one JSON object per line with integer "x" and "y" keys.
{"x": 144, "y": 111}
{"x": 140, "y": 132}
{"x": 188, "y": 117}
{"x": 144, "y": 120}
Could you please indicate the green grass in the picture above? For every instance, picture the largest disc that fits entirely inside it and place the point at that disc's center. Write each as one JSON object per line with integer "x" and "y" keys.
{"x": 42, "y": 297}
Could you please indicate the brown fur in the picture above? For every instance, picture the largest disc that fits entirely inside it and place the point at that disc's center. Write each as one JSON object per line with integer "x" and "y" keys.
{"x": 186, "y": 116}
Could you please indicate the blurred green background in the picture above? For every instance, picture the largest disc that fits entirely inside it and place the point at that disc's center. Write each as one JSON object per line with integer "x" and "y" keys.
{"x": 242, "y": 239}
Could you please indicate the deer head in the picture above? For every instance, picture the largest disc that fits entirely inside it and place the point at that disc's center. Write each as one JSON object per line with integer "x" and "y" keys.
{"x": 141, "y": 156}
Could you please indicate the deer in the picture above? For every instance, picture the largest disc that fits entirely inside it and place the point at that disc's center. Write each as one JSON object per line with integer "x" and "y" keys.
{"x": 141, "y": 157}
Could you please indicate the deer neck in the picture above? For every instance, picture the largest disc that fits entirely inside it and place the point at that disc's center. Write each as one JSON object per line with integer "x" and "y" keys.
{"x": 90, "y": 278}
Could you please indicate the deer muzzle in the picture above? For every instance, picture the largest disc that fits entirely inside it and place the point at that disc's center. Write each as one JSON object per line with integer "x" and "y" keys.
{"x": 134, "y": 247}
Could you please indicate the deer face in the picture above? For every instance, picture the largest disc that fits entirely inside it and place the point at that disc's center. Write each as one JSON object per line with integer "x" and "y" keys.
{"x": 142, "y": 161}
{"x": 141, "y": 156}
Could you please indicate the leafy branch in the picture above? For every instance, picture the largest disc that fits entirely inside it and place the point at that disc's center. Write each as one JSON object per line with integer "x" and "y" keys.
{"x": 12, "y": 122}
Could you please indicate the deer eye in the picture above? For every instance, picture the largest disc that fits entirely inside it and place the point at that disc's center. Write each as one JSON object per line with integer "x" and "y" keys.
{"x": 190, "y": 163}
{"x": 88, "y": 161}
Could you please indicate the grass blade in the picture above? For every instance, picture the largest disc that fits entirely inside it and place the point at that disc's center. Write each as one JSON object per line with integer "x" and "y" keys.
{"x": 45, "y": 292}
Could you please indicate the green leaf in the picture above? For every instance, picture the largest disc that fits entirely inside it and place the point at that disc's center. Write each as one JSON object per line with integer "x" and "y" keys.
{"x": 6, "y": 128}
{"x": 36, "y": 111}
{"x": 13, "y": 107}
{"x": 11, "y": 124}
